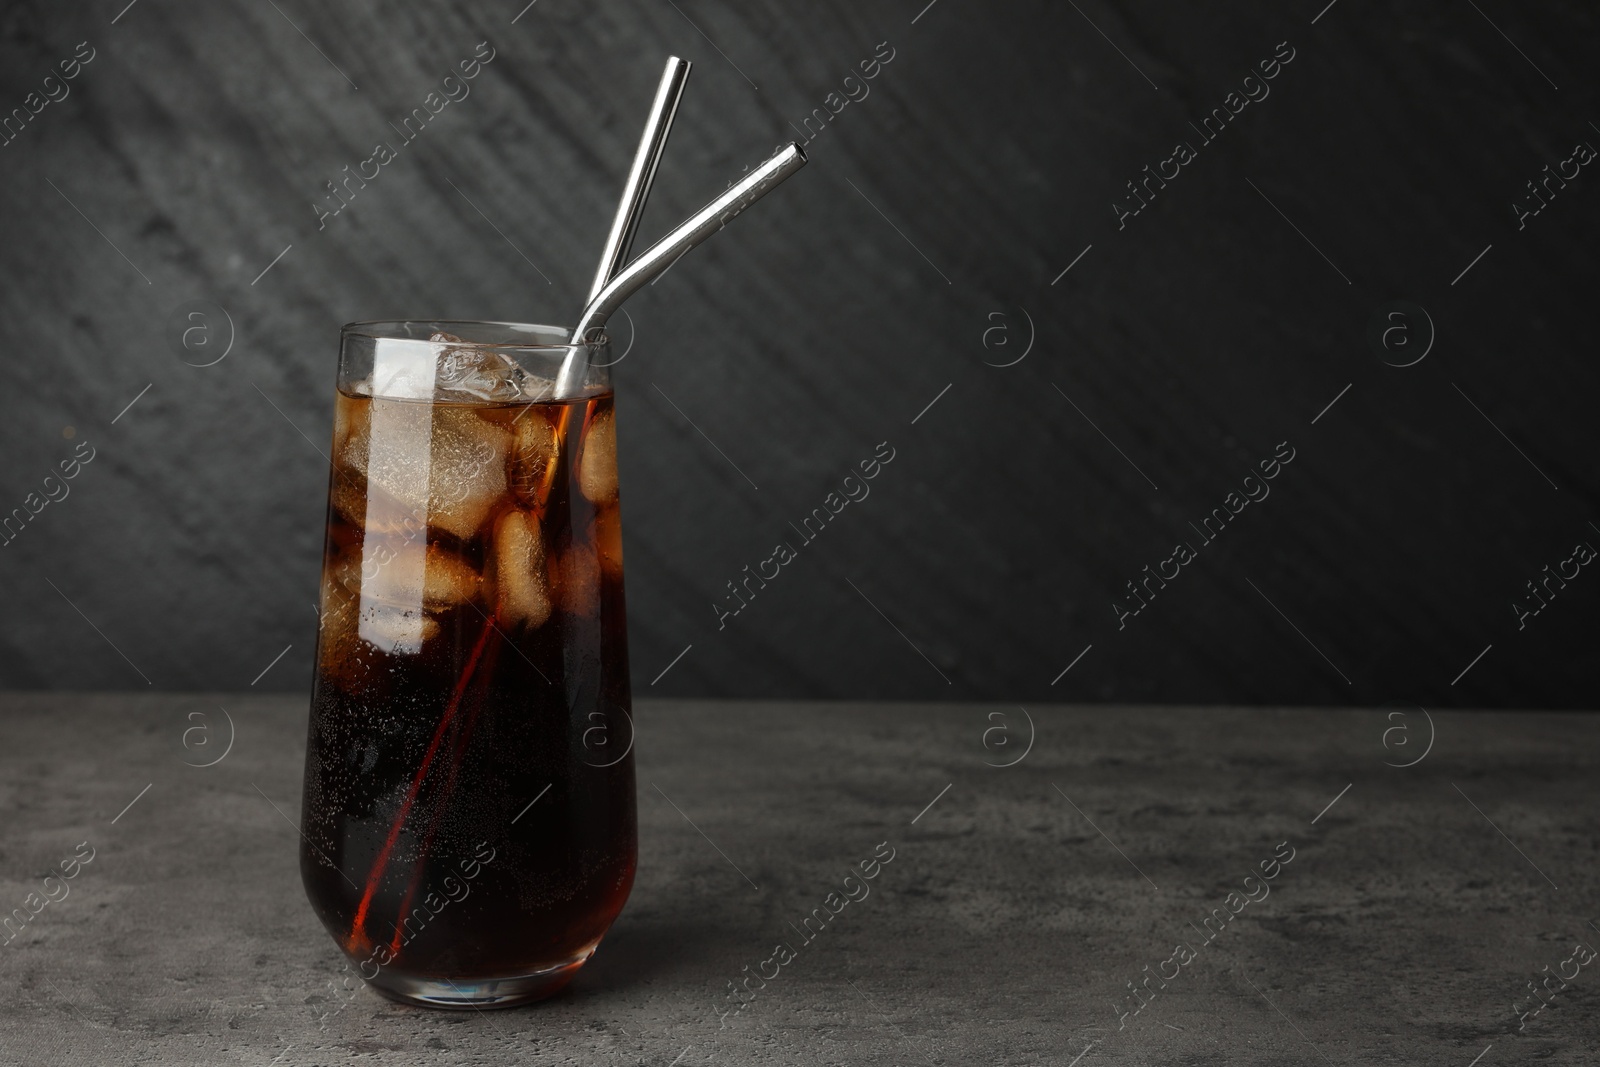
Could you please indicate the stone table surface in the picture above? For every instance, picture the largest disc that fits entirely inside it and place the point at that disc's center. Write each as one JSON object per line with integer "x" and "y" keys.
{"x": 1021, "y": 901}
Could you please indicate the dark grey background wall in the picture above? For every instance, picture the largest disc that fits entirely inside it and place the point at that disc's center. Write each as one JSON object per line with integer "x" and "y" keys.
{"x": 1067, "y": 395}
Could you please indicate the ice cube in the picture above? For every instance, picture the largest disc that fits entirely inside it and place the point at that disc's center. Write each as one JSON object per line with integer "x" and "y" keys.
{"x": 406, "y": 574}
{"x": 447, "y": 367}
{"x": 519, "y": 570}
{"x": 537, "y": 388}
{"x": 468, "y": 469}
{"x": 349, "y": 495}
{"x": 377, "y": 513}
{"x": 399, "y": 461}
{"x": 597, "y": 475}
{"x": 340, "y": 652}
{"x": 353, "y": 633}
{"x": 608, "y": 540}
{"x": 394, "y": 630}
{"x": 578, "y": 580}
{"x": 350, "y": 417}
{"x": 352, "y": 429}
{"x": 533, "y": 458}
{"x": 339, "y": 601}
{"x": 448, "y": 580}
{"x": 440, "y": 463}
{"x": 403, "y": 369}
{"x": 476, "y": 373}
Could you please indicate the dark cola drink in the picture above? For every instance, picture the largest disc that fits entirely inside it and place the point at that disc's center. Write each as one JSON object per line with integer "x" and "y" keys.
{"x": 469, "y": 822}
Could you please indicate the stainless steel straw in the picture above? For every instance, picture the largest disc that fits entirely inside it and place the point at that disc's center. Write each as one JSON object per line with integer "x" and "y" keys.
{"x": 643, "y": 172}
{"x": 665, "y": 252}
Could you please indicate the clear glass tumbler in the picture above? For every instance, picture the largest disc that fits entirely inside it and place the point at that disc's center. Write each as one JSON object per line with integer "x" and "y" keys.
{"x": 469, "y": 820}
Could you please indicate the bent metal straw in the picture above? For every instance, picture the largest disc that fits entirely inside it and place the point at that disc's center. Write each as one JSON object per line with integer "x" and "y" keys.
{"x": 643, "y": 172}
{"x": 665, "y": 252}
{"x": 641, "y": 176}
{"x": 607, "y": 293}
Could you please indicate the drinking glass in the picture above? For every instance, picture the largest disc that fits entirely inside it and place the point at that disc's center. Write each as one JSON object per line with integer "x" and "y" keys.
{"x": 469, "y": 820}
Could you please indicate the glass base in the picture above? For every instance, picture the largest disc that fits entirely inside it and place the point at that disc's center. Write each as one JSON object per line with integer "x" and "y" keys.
{"x": 476, "y": 994}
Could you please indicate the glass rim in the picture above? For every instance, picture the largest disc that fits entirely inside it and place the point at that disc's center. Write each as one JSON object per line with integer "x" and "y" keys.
{"x": 374, "y": 329}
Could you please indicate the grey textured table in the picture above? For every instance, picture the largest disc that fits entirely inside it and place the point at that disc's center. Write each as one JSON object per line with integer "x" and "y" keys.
{"x": 1019, "y": 904}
